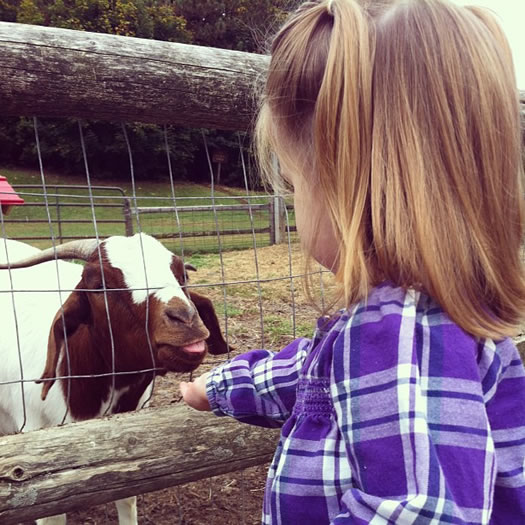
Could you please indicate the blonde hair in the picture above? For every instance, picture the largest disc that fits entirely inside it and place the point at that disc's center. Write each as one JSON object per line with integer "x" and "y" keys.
{"x": 408, "y": 115}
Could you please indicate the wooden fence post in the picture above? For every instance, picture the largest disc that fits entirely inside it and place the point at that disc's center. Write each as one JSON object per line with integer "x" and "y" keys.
{"x": 279, "y": 219}
{"x": 128, "y": 219}
{"x": 271, "y": 221}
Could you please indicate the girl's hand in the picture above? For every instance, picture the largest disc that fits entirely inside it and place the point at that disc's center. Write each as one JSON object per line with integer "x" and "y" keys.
{"x": 194, "y": 394}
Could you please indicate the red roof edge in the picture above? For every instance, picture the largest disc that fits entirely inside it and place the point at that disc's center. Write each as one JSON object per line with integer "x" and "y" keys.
{"x": 7, "y": 194}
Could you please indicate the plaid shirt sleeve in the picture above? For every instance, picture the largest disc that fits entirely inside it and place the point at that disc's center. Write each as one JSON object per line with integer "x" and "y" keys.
{"x": 435, "y": 433}
{"x": 258, "y": 387}
{"x": 504, "y": 386}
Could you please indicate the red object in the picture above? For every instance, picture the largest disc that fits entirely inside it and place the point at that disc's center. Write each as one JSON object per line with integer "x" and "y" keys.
{"x": 8, "y": 197}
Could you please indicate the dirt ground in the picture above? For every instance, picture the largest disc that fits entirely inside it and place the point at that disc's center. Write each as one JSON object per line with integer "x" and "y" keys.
{"x": 265, "y": 307}
{"x": 222, "y": 500}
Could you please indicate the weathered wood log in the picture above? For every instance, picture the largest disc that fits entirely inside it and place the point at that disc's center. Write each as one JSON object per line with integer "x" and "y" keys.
{"x": 64, "y": 73}
{"x": 72, "y": 467}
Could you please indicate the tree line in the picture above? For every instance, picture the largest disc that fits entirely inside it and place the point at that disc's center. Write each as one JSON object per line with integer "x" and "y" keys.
{"x": 243, "y": 25}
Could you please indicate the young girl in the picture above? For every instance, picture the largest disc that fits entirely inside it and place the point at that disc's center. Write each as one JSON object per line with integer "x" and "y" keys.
{"x": 397, "y": 124}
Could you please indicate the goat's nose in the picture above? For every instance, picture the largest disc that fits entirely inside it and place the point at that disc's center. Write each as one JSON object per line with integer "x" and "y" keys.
{"x": 181, "y": 315}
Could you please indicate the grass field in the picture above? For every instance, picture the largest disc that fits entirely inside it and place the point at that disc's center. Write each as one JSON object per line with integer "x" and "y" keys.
{"x": 72, "y": 215}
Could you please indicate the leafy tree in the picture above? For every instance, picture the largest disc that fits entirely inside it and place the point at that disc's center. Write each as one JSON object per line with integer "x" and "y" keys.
{"x": 9, "y": 10}
{"x": 86, "y": 15}
{"x": 168, "y": 24}
{"x": 29, "y": 13}
{"x": 244, "y": 25}
{"x": 232, "y": 24}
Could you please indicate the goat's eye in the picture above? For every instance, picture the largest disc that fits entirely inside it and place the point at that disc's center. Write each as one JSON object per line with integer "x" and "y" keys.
{"x": 97, "y": 285}
{"x": 94, "y": 279}
{"x": 181, "y": 279}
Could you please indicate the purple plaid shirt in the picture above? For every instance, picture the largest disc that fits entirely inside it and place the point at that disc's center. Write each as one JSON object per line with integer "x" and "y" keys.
{"x": 390, "y": 414}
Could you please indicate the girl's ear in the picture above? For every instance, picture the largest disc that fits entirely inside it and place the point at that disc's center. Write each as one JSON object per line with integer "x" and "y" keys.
{"x": 74, "y": 312}
{"x": 216, "y": 343}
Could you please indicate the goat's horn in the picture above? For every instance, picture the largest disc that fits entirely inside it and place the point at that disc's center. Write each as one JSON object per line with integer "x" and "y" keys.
{"x": 81, "y": 249}
{"x": 189, "y": 266}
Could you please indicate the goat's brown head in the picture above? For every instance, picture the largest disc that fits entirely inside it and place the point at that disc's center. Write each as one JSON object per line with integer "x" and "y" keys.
{"x": 132, "y": 297}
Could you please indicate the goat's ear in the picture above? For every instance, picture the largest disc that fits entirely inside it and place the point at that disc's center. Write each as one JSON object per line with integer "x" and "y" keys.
{"x": 75, "y": 311}
{"x": 216, "y": 343}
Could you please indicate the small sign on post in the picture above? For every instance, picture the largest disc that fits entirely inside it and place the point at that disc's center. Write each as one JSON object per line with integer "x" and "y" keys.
{"x": 219, "y": 157}
{"x": 8, "y": 197}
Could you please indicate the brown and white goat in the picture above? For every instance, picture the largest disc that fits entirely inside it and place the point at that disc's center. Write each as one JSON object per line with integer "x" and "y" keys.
{"x": 126, "y": 310}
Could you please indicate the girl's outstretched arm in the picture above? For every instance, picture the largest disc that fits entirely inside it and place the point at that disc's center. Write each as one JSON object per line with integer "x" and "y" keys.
{"x": 257, "y": 387}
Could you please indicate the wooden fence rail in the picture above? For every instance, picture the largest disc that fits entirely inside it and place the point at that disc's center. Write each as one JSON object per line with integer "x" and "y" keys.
{"x": 67, "y": 468}
{"x": 54, "y": 72}
{"x": 277, "y": 224}
{"x": 108, "y": 77}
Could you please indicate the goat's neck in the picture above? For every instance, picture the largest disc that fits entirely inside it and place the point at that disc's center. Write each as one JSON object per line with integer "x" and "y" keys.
{"x": 90, "y": 355}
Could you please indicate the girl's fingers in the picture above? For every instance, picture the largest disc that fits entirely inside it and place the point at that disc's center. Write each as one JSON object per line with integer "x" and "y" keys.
{"x": 194, "y": 394}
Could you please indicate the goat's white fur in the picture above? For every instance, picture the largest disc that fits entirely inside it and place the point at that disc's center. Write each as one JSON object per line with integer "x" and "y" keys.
{"x": 31, "y": 309}
{"x": 158, "y": 277}
{"x": 126, "y": 508}
{"x": 29, "y": 312}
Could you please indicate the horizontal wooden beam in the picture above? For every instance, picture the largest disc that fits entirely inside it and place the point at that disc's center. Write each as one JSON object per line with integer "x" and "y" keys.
{"x": 72, "y": 467}
{"x": 50, "y": 72}
{"x": 64, "y": 73}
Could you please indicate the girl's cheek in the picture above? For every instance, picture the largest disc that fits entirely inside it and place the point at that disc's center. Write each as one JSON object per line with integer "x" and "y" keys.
{"x": 315, "y": 229}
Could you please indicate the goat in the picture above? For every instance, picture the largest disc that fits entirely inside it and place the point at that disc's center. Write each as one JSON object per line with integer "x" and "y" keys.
{"x": 126, "y": 310}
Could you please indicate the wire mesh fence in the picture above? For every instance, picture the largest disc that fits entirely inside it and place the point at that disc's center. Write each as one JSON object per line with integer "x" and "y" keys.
{"x": 70, "y": 217}
{"x": 241, "y": 221}
{"x": 55, "y": 311}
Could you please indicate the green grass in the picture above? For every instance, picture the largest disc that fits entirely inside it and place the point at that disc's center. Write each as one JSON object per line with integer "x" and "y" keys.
{"x": 229, "y": 311}
{"x": 148, "y": 193}
{"x": 276, "y": 327}
{"x": 64, "y": 204}
{"x": 203, "y": 261}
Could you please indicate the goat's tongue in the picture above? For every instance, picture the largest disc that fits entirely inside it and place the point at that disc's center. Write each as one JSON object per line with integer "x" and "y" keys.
{"x": 195, "y": 348}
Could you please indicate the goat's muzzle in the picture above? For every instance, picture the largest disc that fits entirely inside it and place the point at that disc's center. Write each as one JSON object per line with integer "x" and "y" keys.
{"x": 181, "y": 315}
{"x": 182, "y": 358}
{"x": 180, "y": 337}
